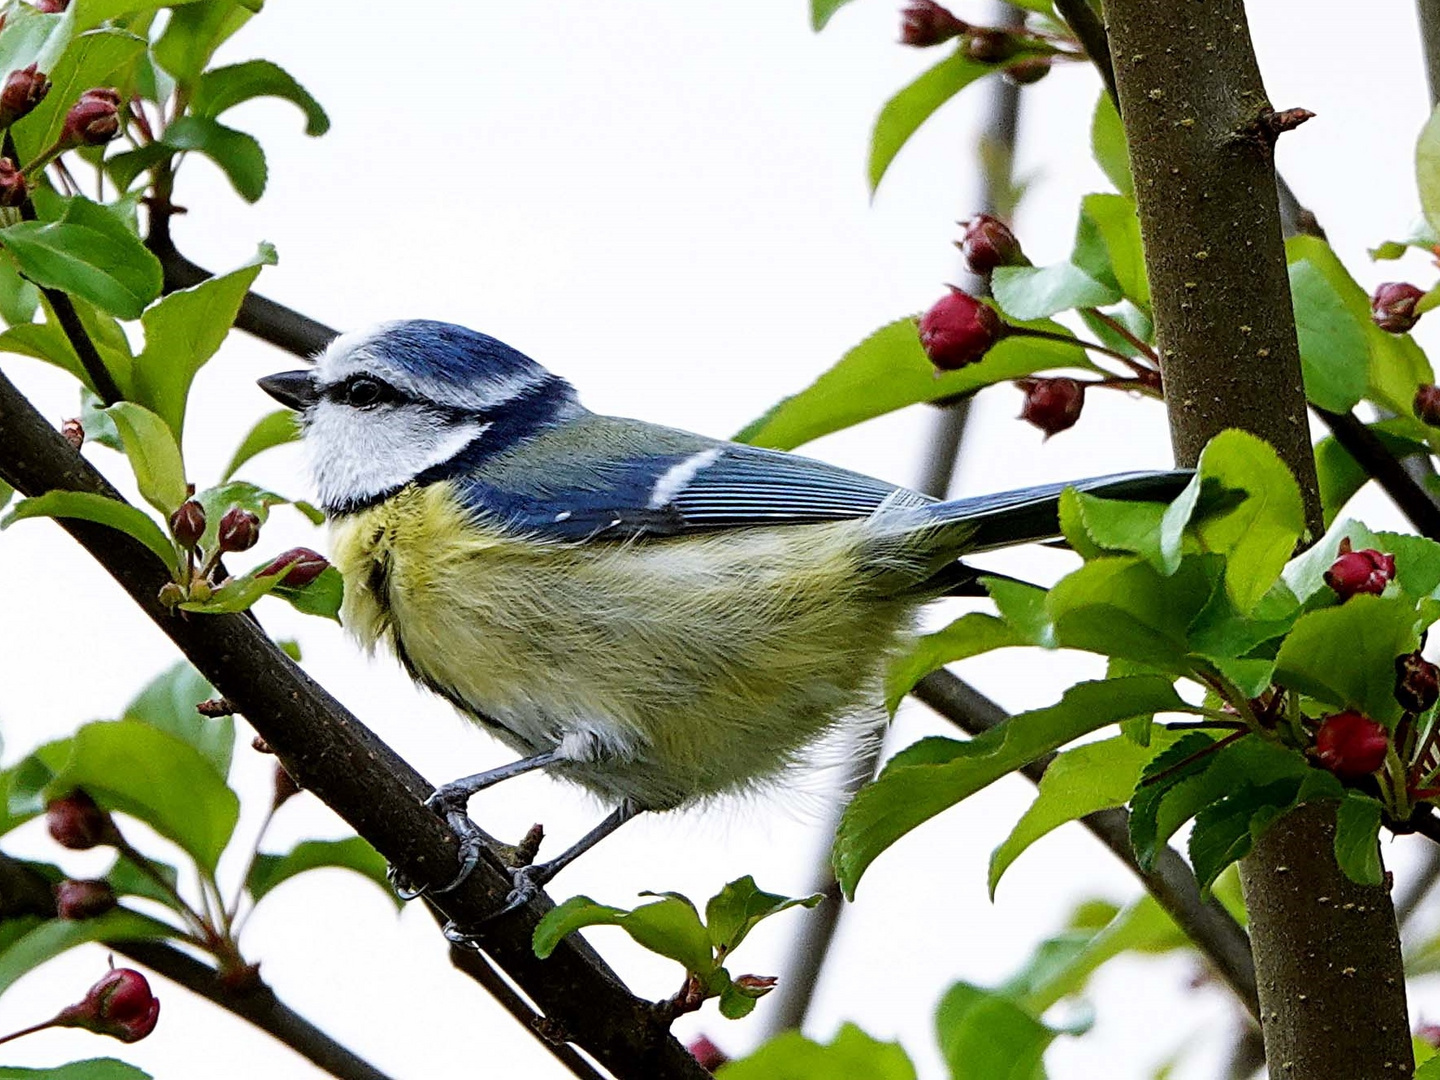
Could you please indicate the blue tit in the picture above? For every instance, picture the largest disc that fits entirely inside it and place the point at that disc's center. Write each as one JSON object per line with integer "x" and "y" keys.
{"x": 654, "y": 615}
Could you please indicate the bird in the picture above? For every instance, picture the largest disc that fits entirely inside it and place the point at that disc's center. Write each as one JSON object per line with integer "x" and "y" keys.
{"x": 657, "y": 616}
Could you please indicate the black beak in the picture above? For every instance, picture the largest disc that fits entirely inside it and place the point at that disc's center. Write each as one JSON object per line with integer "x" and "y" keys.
{"x": 293, "y": 389}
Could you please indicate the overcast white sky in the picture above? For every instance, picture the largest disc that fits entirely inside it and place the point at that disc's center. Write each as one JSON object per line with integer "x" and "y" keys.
{"x": 665, "y": 203}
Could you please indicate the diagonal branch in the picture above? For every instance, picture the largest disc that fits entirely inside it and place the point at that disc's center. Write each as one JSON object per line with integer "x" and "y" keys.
{"x": 331, "y": 753}
{"x": 1170, "y": 881}
{"x": 1386, "y": 469}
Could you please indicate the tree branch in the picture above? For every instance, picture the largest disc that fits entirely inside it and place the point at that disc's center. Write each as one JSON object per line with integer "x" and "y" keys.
{"x": 1220, "y": 939}
{"x": 1386, "y": 469}
{"x": 332, "y": 754}
{"x": 1327, "y": 951}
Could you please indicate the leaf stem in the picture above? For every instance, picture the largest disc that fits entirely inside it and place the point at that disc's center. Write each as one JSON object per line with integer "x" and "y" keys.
{"x": 1065, "y": 339}
{"x": 1143, "y": 346}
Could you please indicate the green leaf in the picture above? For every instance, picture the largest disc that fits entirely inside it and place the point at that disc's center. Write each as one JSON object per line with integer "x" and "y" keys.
{"x": 88, "y": 252}
{"x": 124, "y": 167}
{"x": 1080, "y": 781}
{"x": 906, "y": 111}
{"x": 154, "y": 455}
{"x": 98, "y": 58}
{"x": 1227, "y": 829}
{"x": 223, "y": 88}
{"x": 353, "y": 853}
{"x": 1345, "y": 655}
{"x": 1108, "y": 147}
{"x": 1036, "y": 292}
{"x": 90, "y": 1069}
{"x": 1116, "y": 526}
{"x": 183, "y": 331}
{"x": 1357, "y": 832}
{"x": 791, "y": 1056}
{"x": 740, "y": 906}
{"x": 1428, "y": 1071}
{"x": 1427, "y": 169}
{"x": 193, "y": 34}
{"x": 935, "y": 774}
{"x": 52, "y": 937}
{"x": 1257, "y": 535}
{"x": 19, "y": 299}
{"x": 1334, "y": 351}
{"x": 127, "y": 879}
{"x": 151, "y": 775}
{"x": 168, "y": 703}
{"x": 239, "y": 593}
{"x": 271, "y": 430}
{"x": 889, "y": 370}
{"x": 6, "y": 493}
{"x": 239, "y": 155}
{"x": 1023, "y": 606}
{"x": 1341, "y": 476}
{"x": 323, "y": 596}
{"x": 670, "y": 926}
{"x": 1117, "y": 226}
{"x": 822, "y": 10}
{"x": 984, "y": 1035}
{"x": 969, "y": 635}
{"x": 102, "y": 510}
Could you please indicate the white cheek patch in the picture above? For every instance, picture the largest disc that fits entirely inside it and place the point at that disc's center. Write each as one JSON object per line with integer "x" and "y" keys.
{"x": 356, "y": 456}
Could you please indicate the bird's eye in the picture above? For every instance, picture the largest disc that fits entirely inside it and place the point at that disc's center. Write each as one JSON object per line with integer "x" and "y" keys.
{"x": 363, "y": 390}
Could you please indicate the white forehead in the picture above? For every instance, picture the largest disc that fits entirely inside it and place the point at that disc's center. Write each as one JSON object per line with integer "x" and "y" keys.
{"x": 420, "y": 363}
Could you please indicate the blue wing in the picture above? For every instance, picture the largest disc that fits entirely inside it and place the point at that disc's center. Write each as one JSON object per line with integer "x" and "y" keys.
{"x": 718, "y": 486}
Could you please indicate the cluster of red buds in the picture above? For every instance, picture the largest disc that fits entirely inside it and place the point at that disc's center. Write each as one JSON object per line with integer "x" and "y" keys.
{"x": 924, "y": 23}
{"x": 238, "y": 530}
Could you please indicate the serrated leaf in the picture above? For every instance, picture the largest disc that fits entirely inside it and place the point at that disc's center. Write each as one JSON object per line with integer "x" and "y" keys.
{"x": 1115, "y": 525}
{"x": 223, "y": 88}
{"x": 1226, "y": 830}
{"x": 153, "y": 453}
{"x": 935, "y": 774}
{"x": 271, "y": 430}
{"x": 1345, "y": 655}
{"x": 323, "y": 596}
{"x": 183, "y": 331}
{"x": 1080, "y": 781}
{"x": 984, "y": 1035}
{"x": 104, "y": 511}
{"x": 1357, "y": 832}
{"x": 1334, "y": 350}
{"x": 792, "y": 1056}
{"x": 168, "y": 703}
{"x": 888, "y": 371}
{"x": 1117, "y": 226}
{"x": 740, "y": 906}
{"x": 353, "y": 853}
{"x": 1037, "y": 292}
{"x": 153, "y": 776}
{"x": 1108, "y": 147}
{"x": 906, "y": 111}
{"x": 52, "y": 937}
{"x": 88, "y": 252}
{"x": 970, "y": 635}
{"x": 239, "y": 155}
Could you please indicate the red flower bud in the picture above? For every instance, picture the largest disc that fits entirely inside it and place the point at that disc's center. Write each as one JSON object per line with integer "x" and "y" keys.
{"x": 1427, "y": 404}
{"x": 709, "y": 1055}
{"x": 1052, "y": 405}
{"x": 239, "y": 530}
{"x": 78, "y": 823}
{"x": 187, "y": 524}
{"x": 120, "y": 1004}
{"x": 51, "y": 7}
{"x": 1417, "y": 682}
{"x": 1027, "y": 72}
{"x": 924, "y": 23}
{"x": 990, "y": 46}
{"x": 958, "y": 330}
{"x": 1350, "y": 745}
{"x": 93, "y": 120}
{"x": 1367, "y": 571}
{"x": 83, "y": 899}
{"x": 22, "y": 91}
{"x": 755, "y": 985}
{"x": 1392, "y": 308}
{"x": 305, "y": 566}
{"x": 13, "y": 188}
{"x": 988, "y": 243}
{"x": 73, "y": 432}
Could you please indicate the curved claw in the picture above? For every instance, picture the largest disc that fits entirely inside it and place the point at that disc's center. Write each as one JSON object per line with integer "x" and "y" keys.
{"x": 471, "y": 846}
{"x": 402, "y": 885}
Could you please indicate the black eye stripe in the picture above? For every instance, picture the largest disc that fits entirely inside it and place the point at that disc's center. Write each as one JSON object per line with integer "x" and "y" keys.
{"x": 363, "y": 391}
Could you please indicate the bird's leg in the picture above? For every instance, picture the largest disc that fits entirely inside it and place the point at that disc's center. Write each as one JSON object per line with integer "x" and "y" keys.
{"x": 528, "y": 880}
{"x": 449, "y": 801}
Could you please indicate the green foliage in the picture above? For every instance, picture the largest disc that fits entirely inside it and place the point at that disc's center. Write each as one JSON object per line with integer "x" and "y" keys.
{"x": 271, "y": 430}
{"x": 352, "y": 853}
{"x": 903, "y": 114}
{"x": 103, "y": 511}
{"x": 984, "y": 1035}
{"x": 150, "y": 446}
{"x": 1333, "y": 346}
{"x": 1037, "y": 292}
{"x": 1107, "y": 145}
{"x": 168, "y": 702}
{"x": 852, "y": 1053}
{"x": 90, "y": 1069}
{"x": 1427, "y": 169}
{"x": 221, "y": 89}
{"x": 94, "y": 58}
{"x": 671, "y": 926}
{"x": 39, "y": 940}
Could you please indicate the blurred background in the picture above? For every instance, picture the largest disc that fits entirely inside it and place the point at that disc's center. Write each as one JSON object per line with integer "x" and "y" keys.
{"x": 666, "y": 204}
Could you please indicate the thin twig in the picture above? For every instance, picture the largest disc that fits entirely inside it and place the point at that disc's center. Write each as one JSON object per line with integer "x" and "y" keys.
{"x": 1169, "y": 880}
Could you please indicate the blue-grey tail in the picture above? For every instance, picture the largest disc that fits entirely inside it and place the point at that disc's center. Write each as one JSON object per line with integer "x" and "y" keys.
{"x": 1030, "y": 514}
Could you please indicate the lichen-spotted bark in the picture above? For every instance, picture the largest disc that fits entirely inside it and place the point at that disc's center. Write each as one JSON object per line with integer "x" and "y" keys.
{"x": 1332, "y": 992}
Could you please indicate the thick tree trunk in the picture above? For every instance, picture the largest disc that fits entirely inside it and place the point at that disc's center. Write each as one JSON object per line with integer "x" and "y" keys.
{"x": 1327, "y": 956}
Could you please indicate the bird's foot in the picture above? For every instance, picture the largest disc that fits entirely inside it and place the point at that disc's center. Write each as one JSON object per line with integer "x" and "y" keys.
{"x": 525, "y": 885}
{"x": 472, "y": 842}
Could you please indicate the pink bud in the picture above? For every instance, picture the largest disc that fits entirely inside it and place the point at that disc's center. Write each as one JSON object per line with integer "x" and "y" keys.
{"x": 924, "y": 23}
{"x": 187, "y": 524}
{"x": 1052, "y": 405}
{"x": 120, "y": 1005}
{"x": 83, "y": 899}
{"x": 305, "y": 566}
{"x": 1367, "y": 571}
{"x": 988, "y": 243}
{"x": 77, "y": 822}
{"x": 22, "y": 91}
{"x": 1351, "y": 745}
{"x": 1392, "y": 307}
{"x": 959, "y": 330}
{"x": 93, "y": 120}
{"x": 709, "y": 1055}
{"x": 239, "y": 530}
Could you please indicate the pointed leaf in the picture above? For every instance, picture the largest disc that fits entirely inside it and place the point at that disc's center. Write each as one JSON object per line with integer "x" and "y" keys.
{"x": 104, "y": 511}
{"x": 1108, "y": 147}
{"x": 821, "y": 12}
{"x": 740, "y": 906}
{"x": 271, "y": 430}
{"x": 1036, "y": 292}
{"x": 168, "y": 703}
{"x": 1357, "y": 832}
{"x": 1334, "y": 350}
{"x": 154, "y": 455}
{"x": 1427, "y": 169}
{"x": 906, "y": 111}
{"x": 239, "y": 155}
{"x": 970, "y": 635}
{"x": 353, "y": 853}
{"x": 52, "y": 937}
{"x": 223, "y": 88}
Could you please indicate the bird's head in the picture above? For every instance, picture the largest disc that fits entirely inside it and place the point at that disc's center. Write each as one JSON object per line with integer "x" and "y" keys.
{"x": 385, "y": 406}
